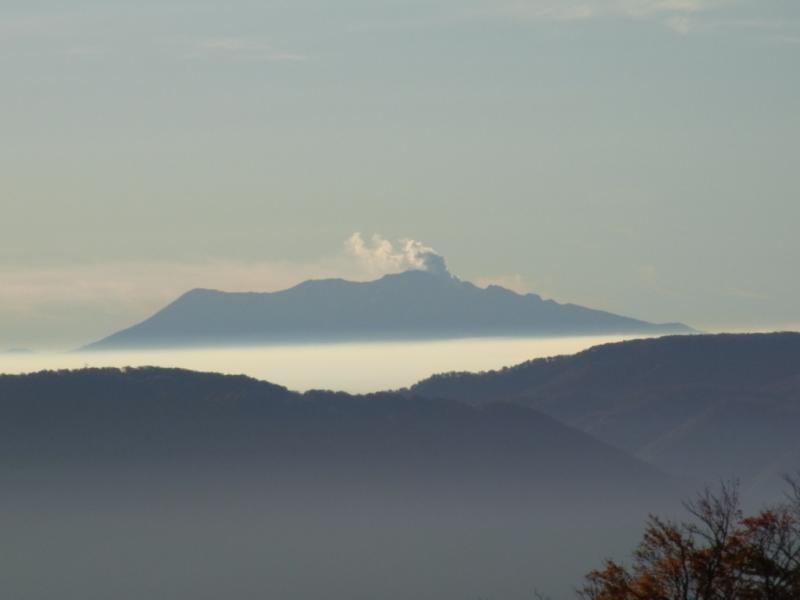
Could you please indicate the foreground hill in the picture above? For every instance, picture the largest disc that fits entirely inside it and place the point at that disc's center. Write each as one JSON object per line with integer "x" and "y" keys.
{"x": 164, "y": 484}
{"x": 410, "y": 305}
{"x": 706, "y": 407}
{"x": 116, "y": 420}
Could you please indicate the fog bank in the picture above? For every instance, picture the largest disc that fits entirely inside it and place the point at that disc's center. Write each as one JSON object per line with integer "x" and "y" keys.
{"x": 351, "y": 367}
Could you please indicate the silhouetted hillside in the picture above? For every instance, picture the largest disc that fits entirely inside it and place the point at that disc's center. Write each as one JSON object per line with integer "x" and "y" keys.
{"x": 410, "y": 305}
{"x": 157, "y": 483}
{"x": 112, "y": 420}
{"x": 708, "y": 407}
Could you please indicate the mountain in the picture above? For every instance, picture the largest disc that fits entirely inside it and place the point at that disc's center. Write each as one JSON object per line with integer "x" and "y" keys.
{"x": 415, "y": 304}
{"x": 119, "y": 420}
{"x": 159, "y": 483}
{"x": 703, "y": 406}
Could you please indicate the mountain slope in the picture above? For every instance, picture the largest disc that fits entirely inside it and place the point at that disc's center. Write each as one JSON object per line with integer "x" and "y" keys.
{"x": 706, "y": 407}
{"x": 114, "y": 421}
{"x": 410, "y": 305}
{"x": 163, "y": 484}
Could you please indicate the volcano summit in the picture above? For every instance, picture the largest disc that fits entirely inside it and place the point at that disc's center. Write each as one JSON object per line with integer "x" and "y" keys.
{"x": 418, "y": 304}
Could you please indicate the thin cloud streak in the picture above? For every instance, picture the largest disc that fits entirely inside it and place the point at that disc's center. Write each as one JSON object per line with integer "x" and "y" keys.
{"x": 572, "y": 10}
{"x": 68, "y": 305}
{"x": 679, "y": 16}
{"x": 242, "y": 49}
{"x": 32, "y": 26}
{"x": 143, "y": 285}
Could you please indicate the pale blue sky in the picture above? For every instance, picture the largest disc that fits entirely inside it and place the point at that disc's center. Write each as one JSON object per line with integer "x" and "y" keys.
{"x": 639, "y": 156}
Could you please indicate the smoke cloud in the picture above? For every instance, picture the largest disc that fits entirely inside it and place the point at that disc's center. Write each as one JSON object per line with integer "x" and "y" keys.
{"x": 379, "y": 255}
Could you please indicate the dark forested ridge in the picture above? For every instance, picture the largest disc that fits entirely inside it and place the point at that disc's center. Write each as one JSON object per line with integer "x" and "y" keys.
{"x": 162, "y": 483}
{"x": 410, "y": 305}
{"x": 225, "y": 486}
{"x": 113, "y": 420}
{"x": 705, "y": 406}
{"x": 697, "y": 407}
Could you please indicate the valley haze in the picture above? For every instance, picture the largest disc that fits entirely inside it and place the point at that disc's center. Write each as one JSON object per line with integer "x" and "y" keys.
{"x": 355, "y": 367}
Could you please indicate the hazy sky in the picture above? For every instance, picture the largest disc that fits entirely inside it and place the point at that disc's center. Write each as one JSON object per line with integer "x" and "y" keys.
{"x": 639, "y": 156}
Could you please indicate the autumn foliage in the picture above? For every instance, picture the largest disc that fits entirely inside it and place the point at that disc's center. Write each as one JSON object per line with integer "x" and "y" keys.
{"x": 718, "y": 554}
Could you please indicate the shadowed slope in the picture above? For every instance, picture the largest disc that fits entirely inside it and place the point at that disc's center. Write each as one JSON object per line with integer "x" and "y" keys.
{"x": 112, "y": 422}
{"x": 702, "y": 406}
{"x": 168, "y": 484}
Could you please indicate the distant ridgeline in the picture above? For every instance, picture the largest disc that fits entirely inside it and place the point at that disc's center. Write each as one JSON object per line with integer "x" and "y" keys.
{"x": 148, "y": 422}
{"x": 411, "y": 305}
{"x": 624, "y": 417}
{"x": 497, "y": 473}
{"x": 121, "y": 478}
{"x": 701, "y": 407}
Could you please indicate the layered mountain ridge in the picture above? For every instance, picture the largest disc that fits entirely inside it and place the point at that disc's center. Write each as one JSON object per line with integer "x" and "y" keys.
{"x": 246, "y": 481}
{"x": 115, "y": 421}
{"x": 707, "y": 407}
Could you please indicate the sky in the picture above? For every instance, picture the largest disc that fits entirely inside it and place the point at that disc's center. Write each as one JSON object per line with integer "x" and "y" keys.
{"x": 638, "y": 156}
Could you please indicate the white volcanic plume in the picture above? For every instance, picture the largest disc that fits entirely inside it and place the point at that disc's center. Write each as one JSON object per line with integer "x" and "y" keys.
{"x": 379, "y": 255}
